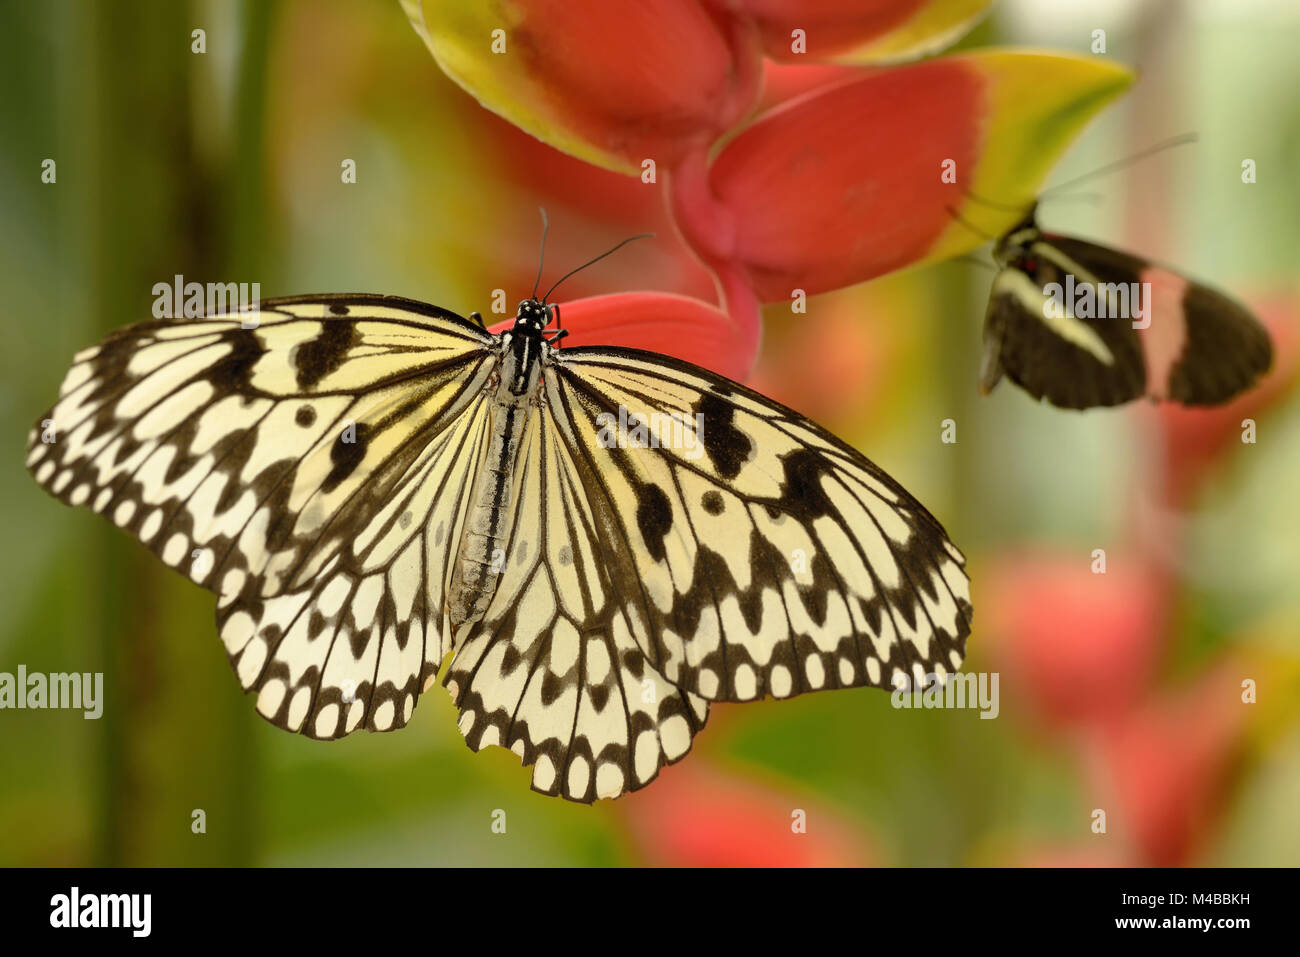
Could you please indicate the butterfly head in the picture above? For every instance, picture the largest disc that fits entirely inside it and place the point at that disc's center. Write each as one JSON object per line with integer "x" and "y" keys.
{"x": 533, "y": 316}
{"x": 1014, "y": 244}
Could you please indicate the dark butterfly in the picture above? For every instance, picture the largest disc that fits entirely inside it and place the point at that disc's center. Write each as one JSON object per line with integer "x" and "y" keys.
{"x": 1083, "y": 325}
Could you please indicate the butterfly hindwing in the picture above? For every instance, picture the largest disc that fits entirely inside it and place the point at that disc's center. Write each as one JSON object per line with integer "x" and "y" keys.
{"x": 553, "y": 671}
{"x": 358, "y": 647}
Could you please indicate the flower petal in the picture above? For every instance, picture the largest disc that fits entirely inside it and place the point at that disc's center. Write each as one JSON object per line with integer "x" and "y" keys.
{"x": 862, "y": 31}
{"x": 844, "y": 184}
{"x": 614, "y": 84}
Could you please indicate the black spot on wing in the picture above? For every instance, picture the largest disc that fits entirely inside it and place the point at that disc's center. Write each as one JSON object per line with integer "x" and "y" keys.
{"x": 232, "y": 372}
{"x": 712, "y": 502}
{"x": 801, "y": 488}
{"x": 316, "y": 624}
{"x": 728, "y": 448}
{"x": 358, "y": 639}
{"x": 315, "y": 359}
{"x": 346, "y": 456}
{"x": 305, "y": 416}
{"x": 654, "y": 518}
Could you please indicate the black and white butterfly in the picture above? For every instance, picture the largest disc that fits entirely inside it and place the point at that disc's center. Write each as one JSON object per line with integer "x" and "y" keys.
{"x": 372, "y": 484}
{"x": 1083, "y": 325}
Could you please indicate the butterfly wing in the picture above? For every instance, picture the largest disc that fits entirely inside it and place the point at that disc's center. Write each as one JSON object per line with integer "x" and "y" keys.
{"x": 1200, "y": 346}
{"x": 357, "y": 647}
{"x": 553, "y": 671}
{"x": 1190, "y": 343}
{"x": 249, "y": 457}
{"x": 1073, "y": 361}
{"x": 309, "y": 470}
{"x": 755, "y": 555}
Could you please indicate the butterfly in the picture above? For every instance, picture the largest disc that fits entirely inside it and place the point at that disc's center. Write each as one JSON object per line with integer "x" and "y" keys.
{"x": 604, "y": 541}
{"x": 1083, "y": 325}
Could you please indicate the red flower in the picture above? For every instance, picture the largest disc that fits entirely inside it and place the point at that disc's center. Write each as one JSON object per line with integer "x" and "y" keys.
{"x": 1161, "y": 771}
{"x": 1074, "y": 645}
{"x": 696, "y": 817}
{"x": 844, "y": 182}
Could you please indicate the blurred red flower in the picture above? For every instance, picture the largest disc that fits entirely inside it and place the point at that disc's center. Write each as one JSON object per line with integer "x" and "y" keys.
{"x": 1195, "y": 439}
{"x": 1164, "y": 768}
{"x": 1074, "y": 645}
{"x": 699, "y": 817}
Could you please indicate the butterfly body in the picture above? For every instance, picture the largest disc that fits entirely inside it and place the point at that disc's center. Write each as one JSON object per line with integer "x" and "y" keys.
{"x": 1082, "y": 325}
{"x": 378, "y": 490}
{"x": 524, "y": 353}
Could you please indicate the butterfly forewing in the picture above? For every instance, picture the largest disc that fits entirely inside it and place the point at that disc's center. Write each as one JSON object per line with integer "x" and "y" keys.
{"x": 1072, "y": 359}
{"x": 763, "y": 555}
{"x": 248, "y": 457}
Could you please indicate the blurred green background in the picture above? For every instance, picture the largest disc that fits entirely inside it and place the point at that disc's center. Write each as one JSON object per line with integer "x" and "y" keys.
{"x": 1119, "y": 692}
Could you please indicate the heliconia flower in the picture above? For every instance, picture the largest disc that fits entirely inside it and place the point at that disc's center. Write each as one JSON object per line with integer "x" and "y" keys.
{"x": 1072, "y": 644}
{"x": 698, "y": 817}
{"x": 675, "y": 325}
{"x": 592, "y": 209}
{"x": 845, "y": 183}
{"x": 859, "y": 31}
{"x": 867, "y": 174}
{"x": 1162, "y": 771}
{"x": 612, "y": 83}
{"x": 617, "y": 84}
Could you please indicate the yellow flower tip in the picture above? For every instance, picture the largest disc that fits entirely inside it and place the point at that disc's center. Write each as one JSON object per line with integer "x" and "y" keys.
{"x": 1035, "y": 104}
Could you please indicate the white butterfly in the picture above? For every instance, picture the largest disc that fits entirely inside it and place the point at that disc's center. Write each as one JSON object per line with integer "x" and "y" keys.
{"x": 606, "y": 539}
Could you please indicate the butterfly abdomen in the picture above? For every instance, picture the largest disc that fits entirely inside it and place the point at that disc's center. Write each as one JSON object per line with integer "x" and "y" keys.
{"x": 484, "y": 546}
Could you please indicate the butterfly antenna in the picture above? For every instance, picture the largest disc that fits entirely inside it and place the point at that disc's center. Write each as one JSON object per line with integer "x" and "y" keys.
{"x": 1127, "y": 161}
{"x": 1016, "y": 208}
{"x": 541, "y": 256}
{"x": 974, "y": 229}
{"x": 596, "y": 260}
{"x": 1091, "y": 198}
{"x": 974, "y": 260}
